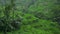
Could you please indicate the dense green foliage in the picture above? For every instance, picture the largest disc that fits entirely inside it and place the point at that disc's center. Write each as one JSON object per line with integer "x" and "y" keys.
{"x": 30, "y": 17}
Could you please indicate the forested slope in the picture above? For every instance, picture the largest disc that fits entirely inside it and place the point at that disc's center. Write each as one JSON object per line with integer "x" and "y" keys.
{"x": 30, "y": 16}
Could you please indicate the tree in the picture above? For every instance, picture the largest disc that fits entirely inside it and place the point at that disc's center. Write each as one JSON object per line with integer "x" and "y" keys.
{"x": 9, "y": 23}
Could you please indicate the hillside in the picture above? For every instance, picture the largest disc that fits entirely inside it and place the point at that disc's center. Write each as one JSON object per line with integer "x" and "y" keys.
{"x": 29, "y": 17}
